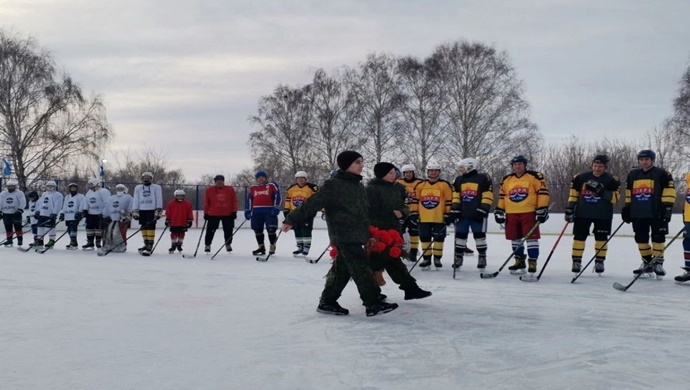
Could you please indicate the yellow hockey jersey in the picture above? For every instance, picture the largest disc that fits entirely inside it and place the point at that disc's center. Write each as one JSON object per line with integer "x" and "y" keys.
{"x": 296, "y": 195}
{"x": 409, "y": 189}
{"x": 686, "y": 207}
{"x": 523, "y": 194}
{"x": 432, "y": 200}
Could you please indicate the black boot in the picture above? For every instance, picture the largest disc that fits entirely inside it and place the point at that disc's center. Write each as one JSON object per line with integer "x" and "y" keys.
{"x": 172, "y": 248}
{"x": 415, "y": 292}
{"x": 179, "y": 247}
{"x": 380, "y": 308}
{"x": 332, "y": 308}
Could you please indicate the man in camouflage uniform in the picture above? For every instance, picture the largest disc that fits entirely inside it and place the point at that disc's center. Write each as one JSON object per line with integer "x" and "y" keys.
{"x": 344, "y": 200}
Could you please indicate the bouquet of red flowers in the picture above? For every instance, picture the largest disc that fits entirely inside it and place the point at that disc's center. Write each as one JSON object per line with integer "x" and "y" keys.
{"x": 388, "y": 243}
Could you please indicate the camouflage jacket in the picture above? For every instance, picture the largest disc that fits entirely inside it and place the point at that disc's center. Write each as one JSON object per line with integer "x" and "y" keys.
{"x": 384, "y": 198}
{"x": 344, "y": 201}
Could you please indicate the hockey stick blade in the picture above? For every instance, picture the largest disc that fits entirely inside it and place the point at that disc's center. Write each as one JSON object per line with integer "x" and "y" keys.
{"x": 188, "y": 256}
{"x": 529, "y": 278}
{"x": 488, "y": 276}
{"x": 261, "y": 259}
{"x": 620, "y": 287}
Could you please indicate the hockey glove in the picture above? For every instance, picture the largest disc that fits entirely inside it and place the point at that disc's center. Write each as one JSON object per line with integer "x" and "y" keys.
{"x": 275, "y": 211}
{"x": 595, "y": 186}
{"x": 205, "y": 217}
{"x": 233, "y": 215}
{"x": 667, "y": 213}
{"x": 189, "y": 223}
{"x": 480, "y": 214}
{"x": 542, "y": 214}
{"x": 247, "y": 214}
{"x": 414, "y": 218}
{"x": 500, "y": 216}
{"x": 167, "y": 223}
{"x": 37, "y": 214}
{"x": 285, "y": 213}
{"x": 625, "y": 214}
{"x": 569, "y": 214}
{"x": 61, "y": 217}
{"x": 28, "y": 219}
{"x": 135, "y": 214}
{"x": 448, "y": 219}
{"x": 158, "y": 213}
{"x": 53, "y": 219}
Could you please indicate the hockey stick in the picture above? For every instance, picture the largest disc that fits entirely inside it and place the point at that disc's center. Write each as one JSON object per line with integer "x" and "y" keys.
{"x": 597, "y": 252}
{"x": 310, "y": 261}
{"x": 99, "y": 253}
{"x": 25, "y": 250}
{"x": 531, "y": 278}
{"x": 47, "y": 248}
{"x": 154, "y": 245}
{"x": 14, "y": 233}
{"x": 265, "y": 259}
{"x": 229, "y": 240}
{"x": 198, "y": 242}
{"x": 422, "y": 255}
{"x": 493, "y": 275}
{"x": 620, "y": 287}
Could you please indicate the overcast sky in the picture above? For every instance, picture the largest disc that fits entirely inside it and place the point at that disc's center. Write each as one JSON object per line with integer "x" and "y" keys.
{"x": 183, "y": 76}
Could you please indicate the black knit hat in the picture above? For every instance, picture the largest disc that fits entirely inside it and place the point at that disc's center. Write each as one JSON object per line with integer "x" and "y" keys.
{"x": 381, "y": 169}
{"x": 346, "y": 158}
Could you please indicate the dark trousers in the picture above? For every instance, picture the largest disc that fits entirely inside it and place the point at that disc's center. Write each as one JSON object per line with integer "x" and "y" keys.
{"x": 212, "y": 224}
{"x": 351, "y": 262}
{"x": 13, "y": 226}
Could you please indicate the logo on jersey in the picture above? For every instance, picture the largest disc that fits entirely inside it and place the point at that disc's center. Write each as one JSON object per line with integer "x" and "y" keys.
{"x": 469, "y": 195}
{"x": 517, "y": 194}
{"x": 589, "y": 196}
{"x": 70, "y": 204}
{"x": 430, "y": 201}
{"x": 298, "y": 201}
{"x": 261, "y": 192}
{"x": 116, "y": 204}
{"x": 642, "y": 192}
{"x": 9, "y": 201}
{"x": 687, "y": 195}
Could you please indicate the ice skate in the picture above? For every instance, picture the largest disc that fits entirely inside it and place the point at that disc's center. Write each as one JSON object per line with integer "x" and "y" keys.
{"x": 659, "y": 270}
{"x": 645, "y": 270}
{"x": 89, "y": 246}
{"x": 207, "y": 248}
{"x": 599, "y": 267}
{"x": 261, "y": 250}
{"x": 272, "y": 249}
{"x": 298, "y": 252}
{"x": 518, "y": 268}
{"x": 425, "y": 264}
{"x": 457, "y": 262}
{"x": 481, "y": 263}
{"x": 437, "y": 262}
{"x": 685, "y": 277}
{"x": 577, "y": 267}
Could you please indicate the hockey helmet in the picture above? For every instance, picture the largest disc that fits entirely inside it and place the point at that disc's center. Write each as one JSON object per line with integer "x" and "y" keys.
{"x": 518, "y": 158}
{"x": 259, "y": 174}
{"x": 647, "y": 153}
{"x": 94, "y": 182}
{"x": 147, "y": 174}
{"x": 33, "y": 195}
{"x": 601, "y": 159}
{"x": 301, "y": 174}
{"x": 120, "y": 188}
{"x": 179, "y": 193}
{"x": 433, "y": 165}
{"x": 12, "y": 183}
{"x": 468, "y": 163}
{"x": 51, "y": 184}
{"x": 70, "y": 185}
{"x": 407, "y": 168}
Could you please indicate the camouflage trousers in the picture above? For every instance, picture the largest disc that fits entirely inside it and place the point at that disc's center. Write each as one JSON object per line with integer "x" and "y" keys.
{"x": 352, "y": 262}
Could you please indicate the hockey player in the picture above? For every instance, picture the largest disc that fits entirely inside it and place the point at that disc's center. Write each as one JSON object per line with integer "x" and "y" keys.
{"x": 345, "y": 201}
{"x": 523, "y": 200}
{"x": 431, "y": 210}
{"x": 92, "y": 211}
{"x": 12, "y": 205}
{"x": 686, "y": 235}
{"x": 409, "y": 181}
{"x": 48, "y": 207}
{"x": 179, "y": 217}
{"x": 220, "y": 205}
{"x": 649, "y": 198}
{"x": 592, "y": 197}
{"x": 31, "y": 218}
{"x": 386, "y": 209}
{"x": 262, "y": 206}
{"x": 473, "y": 196}
{"x": 117, "y": 215}
{"x": 71, "y": 213}
{"x": 296, "y": 195}
{"x": 148, "y": 208}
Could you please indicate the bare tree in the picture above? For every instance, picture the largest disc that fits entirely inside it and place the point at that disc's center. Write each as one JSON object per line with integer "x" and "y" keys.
{"x": 45, "y": 119}
{"x": 419, "y": 137}
{"x": 486, "y": 109}
{"x": 334, "y": 115}
{"x": 284, "y": 134}
{"x": 376, "y": 92}
{"x": 129, "y": 165}
{"x": 681, "y": 106}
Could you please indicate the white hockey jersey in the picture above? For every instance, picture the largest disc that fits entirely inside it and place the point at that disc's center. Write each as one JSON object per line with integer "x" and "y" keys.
{"x": 148, "y": 197}
{"x": 72, "y": 205}
{"x": 11, "y": 202}
{"x": 118, "y": 206}
{"x": 94, "y": 201}
{"x": 50, "y": 203}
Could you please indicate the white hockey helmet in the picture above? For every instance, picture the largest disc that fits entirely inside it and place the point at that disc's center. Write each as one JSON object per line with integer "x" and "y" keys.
{"x": 407, "y": 168}
{"x": 94, "y": 182}
{"x": 147, "y": 173}
{"x": 301, "y": 174}
{"x": 12, "y": 183}
{"x": 468, "y": 163}
{"x": 179, "y": 192}
{"x": 51, "y": 184}
{"x": 70, "y": 185}
{"x": 121, "y": 188}
{"x": 433, "y": 165}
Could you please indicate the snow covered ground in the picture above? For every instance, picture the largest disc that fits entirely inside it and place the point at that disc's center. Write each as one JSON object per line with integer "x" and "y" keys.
{"x": 73, "y": 320}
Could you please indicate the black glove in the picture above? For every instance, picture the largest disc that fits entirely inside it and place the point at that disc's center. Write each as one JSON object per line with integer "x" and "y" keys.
{"x": 667, "y": 213}
{"x": 53, "y": 219}
{"x": 542, "y": 214}
{"x": 285, "y": 213}
{"x": 158, "y": 214}
{"x": 61, "y": 217}
{"x": 480, "y": 214}
{"x": 77, "y": 217}
{"x": 625, "y": 214}
{"x": 37, "y": 214}
{"x": 500, "y": 216}
{"x": 28, "y": 219}
{"x": 449, "y": 218}
{"x": 167, "y": 222}
{"x": 135, "y": 214}
{"x": 414, "y": 218}
{"x": 569, "y": 214}
{"x": 595, "y": 186}
{"x": 233, "y": 215}
{"x": 206, "y": 216}
{"x": 189, "y": 223}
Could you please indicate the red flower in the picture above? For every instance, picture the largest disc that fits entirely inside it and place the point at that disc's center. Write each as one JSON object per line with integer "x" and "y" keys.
{"x": 379, "y": 247}
{"x": 395, "y": 252}
{"x": 333, "y": 252}
{"x": 397, "y": 238}
{"x": 386, "y": 237}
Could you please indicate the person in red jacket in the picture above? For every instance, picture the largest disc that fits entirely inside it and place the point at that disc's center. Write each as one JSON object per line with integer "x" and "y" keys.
{"x": 220, "y": 204}
{"x": 178, "y": 217}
